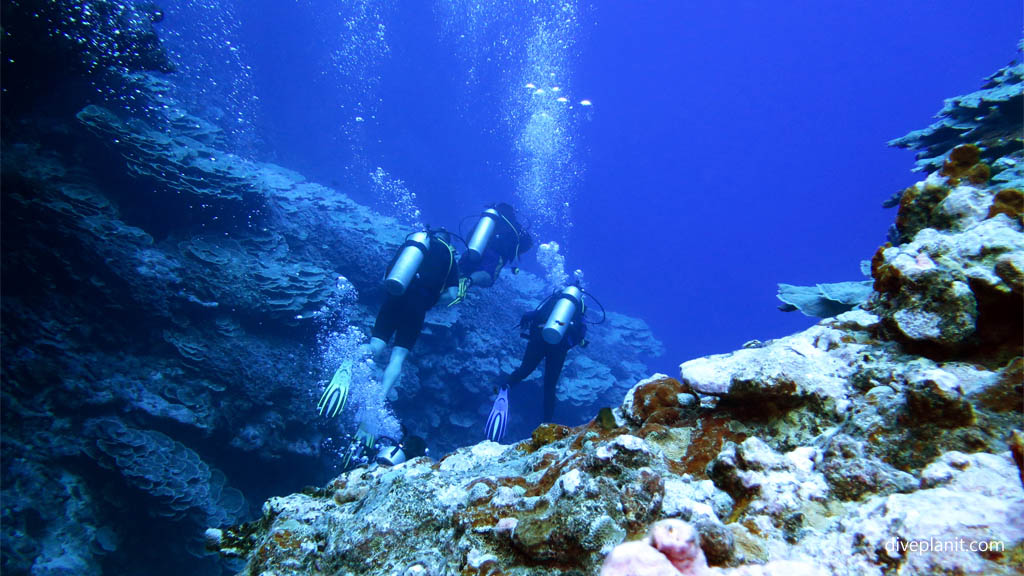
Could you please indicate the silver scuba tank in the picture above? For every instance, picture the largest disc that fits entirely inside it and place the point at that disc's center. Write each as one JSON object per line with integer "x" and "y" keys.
{"x": 391, "y": 456}
{"x": 562, "y": 314}
{"x": 482, "y": 233}
{"x": 407, "y": 264}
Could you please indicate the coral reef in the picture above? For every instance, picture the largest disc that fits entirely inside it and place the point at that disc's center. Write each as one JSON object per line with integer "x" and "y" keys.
{"x": 159, "y": 346}
{"x": 955, "y": 283}
{"x": 883, "y": 440}
{"x": 673, "y": 549}
{"x": 952, "y": 285}
{"x": 989, "y": 120}
{"x": 559, "y": 502}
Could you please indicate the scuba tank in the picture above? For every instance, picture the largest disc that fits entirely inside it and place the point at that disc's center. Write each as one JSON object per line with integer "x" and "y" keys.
{"x": 390, "y": 455}
{"x": 408, "y": 262}
{"x": 562, "y": 314}
{"x": 482, "y": 233}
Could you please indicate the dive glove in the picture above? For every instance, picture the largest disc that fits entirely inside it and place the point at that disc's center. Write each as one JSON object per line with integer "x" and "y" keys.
{"x": 336, "y": 395}
{"x": 498, "y": 420}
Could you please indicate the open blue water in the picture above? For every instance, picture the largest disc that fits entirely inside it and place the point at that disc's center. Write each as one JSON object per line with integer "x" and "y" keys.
{"x": 730, "y": 145}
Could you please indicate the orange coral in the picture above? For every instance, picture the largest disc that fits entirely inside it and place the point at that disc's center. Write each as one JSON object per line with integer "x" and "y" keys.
{"x": 542, "y": 436}
{"x": 659, "y": 400}
{"x": 707, "y": 439}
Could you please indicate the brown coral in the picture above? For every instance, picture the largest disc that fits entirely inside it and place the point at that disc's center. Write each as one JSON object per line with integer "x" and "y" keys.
{"x": 1017, "y": 449}
{"x": 887, "y": 278}
{"x": 964, "y": 162}
{"x": 917, "y": 207}
{"x": 1009, "y": 201}
{"x": 979, "y": 173}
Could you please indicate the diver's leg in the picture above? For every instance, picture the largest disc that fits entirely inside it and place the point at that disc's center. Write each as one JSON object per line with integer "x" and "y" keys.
{"x": 552, "y": 371}
{"x": 394, "y": 369}
{"x": 384, "y": 327}
{"x": 376, "y": 347}
{"x": 531, "y": 359}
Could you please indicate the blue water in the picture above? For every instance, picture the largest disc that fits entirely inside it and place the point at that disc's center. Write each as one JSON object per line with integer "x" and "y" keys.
{"x": 687, "y": 157}
{"x": 729, "y": 147}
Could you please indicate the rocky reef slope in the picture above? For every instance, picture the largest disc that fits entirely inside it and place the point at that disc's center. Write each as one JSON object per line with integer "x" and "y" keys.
{"x": 157, "y": 292}
{"x": 881, "y": 441}
{"x": 162, "y": 303}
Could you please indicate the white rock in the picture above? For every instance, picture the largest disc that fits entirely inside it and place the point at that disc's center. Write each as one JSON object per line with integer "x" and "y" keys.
{"x": 967, "y": 204}
{"x": 570, "y": 482}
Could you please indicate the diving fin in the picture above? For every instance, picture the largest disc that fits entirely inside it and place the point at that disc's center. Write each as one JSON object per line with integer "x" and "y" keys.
{"x": 498, "y": 419}
{"x": 336, "y": 395}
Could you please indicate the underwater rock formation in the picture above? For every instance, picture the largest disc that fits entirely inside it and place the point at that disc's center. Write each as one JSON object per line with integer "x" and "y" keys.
{"x": 162, "y": 301}
{"x": 160, "y": 310}
{"x": 953, "y": 285}
{"x": 557, "y": 502}
{"x": 880, "y": 441}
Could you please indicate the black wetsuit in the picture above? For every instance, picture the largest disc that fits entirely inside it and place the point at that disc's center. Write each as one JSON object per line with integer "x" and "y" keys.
{"x": 403, "y": 315}
{"x": 538, "y": 349}
{"x": 505, "y": 246}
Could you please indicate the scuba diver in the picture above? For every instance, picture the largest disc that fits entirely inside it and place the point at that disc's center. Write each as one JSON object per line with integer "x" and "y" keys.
{"x": 365, "y": 450}
{"x": 551, "y": 330}
{"x": 498, "y": 239}
{"x": 419, "y": 273}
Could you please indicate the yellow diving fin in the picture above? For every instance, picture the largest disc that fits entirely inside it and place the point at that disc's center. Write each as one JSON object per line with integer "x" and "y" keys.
{"x": 336, "y": 395}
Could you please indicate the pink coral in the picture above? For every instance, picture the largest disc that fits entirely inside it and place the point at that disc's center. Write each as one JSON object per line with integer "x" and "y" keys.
{"x": 637, "y": 559}
{"x": 680, "y": 543}
{"x": 671, "y": 549}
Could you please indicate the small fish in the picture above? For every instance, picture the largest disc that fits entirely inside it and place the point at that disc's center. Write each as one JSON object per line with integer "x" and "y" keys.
{"x": 606, "y": 419}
